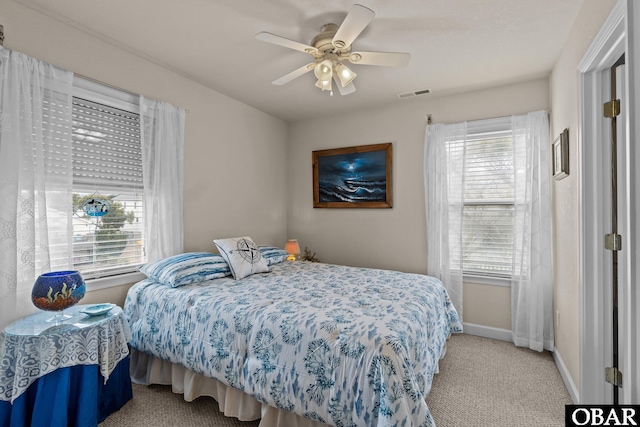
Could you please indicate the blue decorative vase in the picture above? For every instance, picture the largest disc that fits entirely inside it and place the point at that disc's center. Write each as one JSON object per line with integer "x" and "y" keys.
{"x": 58, "y": 290}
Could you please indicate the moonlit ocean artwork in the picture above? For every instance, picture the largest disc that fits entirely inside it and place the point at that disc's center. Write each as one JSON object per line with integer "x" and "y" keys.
{"x": 354, "y": 177}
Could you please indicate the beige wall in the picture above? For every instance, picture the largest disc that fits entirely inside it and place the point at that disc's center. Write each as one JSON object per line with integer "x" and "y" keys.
{"x": 235, "y": 174}
{"x": 396, "y": 238}
{"x": 487, "y": 305}
{"x": 115, "y": 295}
{"x": 563, "y": 85}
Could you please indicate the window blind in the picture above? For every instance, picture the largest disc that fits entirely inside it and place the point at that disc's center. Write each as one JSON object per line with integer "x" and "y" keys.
{"x": 489, "y": 167}
{"x": 106, "y": 146}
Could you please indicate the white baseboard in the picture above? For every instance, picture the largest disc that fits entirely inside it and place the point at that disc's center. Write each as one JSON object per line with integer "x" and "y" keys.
{"x": 568, "y": 381}
{"x": 487, "y": 331}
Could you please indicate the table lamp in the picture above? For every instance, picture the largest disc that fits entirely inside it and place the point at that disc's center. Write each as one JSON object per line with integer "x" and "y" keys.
{"x": 293, "y": 248}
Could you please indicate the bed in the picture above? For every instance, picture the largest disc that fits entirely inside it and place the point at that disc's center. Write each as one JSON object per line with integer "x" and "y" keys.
{"x": 301, "y": 344}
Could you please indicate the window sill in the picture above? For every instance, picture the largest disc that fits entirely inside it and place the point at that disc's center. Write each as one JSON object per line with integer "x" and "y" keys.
{"x": 113, "y": 281}
{"x": 487, "y": 280}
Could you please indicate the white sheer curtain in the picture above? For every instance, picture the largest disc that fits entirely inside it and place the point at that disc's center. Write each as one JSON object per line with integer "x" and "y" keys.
{"x": 531, "y": 275}
{"x": 532, "y": 281}
{"x": 444, "y": 184}
{"x": 162, "y": 133}
{"x": 35, "y": 177}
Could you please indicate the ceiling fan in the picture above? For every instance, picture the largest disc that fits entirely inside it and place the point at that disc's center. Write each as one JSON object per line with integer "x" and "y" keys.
{"x": 332, "y": 47}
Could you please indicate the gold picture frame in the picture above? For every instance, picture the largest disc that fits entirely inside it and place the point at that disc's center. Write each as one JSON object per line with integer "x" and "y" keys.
{"x": 560, "y": 155}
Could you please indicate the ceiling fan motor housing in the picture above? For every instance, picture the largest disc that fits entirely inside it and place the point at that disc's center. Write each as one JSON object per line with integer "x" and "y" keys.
{"x": 324, "y": 41}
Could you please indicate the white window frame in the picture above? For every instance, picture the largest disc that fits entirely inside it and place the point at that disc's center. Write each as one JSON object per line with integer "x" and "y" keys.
{"x": 487, "y": 127}
{"x": 96, "y": 92}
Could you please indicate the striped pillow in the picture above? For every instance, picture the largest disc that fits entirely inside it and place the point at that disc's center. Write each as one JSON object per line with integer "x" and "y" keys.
{"x": 272, "y": 254}
{"x": 187, "y": 268}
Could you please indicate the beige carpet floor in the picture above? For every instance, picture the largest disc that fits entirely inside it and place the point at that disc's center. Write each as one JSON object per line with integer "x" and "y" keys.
{"x": 482, "y": 383}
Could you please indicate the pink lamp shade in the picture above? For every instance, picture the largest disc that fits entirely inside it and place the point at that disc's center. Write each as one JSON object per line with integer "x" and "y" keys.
{"x": 293, "y": 248}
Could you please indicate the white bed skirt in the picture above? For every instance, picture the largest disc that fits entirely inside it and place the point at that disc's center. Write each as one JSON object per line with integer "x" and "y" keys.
{"x": 146, "y": 370}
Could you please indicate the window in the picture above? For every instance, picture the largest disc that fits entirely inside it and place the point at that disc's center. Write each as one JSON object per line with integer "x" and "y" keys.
{"x": 488, "y": 199}
{"x": 107, "y": 163}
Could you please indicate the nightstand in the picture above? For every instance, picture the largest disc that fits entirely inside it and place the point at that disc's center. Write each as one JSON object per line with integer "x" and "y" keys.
{"x": 74, "y": 374}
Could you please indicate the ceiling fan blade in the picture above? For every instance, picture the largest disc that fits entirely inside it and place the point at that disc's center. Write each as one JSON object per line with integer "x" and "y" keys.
{"x": 388, "y": 59}
{"x": 281, "y": 41}
{"x": 294, "y": 74}
{"x": 355, "y": 21}
{"x": 350, "y": 88}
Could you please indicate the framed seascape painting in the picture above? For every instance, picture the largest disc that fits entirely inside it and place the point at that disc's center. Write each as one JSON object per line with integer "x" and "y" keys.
{"x": 353, "y": 177}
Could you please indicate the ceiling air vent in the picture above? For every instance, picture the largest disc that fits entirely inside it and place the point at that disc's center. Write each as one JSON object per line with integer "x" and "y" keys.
{"x": 416, "y": 93}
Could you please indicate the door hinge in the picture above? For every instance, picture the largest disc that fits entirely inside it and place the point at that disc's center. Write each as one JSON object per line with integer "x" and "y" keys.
{"x": 613, "y": 242}
{"x": 612, "y": 108}
{"x": 613, "y": 376}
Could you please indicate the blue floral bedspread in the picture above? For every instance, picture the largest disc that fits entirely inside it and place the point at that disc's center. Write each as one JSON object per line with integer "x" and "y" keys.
{"x": 342, "y": 345}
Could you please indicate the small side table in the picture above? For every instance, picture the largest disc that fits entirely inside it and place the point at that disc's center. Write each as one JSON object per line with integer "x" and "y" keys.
{"x": 73, "y": 374}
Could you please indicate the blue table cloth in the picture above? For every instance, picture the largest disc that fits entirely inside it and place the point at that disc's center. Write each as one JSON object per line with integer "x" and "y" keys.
{"x": 74, "y": 374}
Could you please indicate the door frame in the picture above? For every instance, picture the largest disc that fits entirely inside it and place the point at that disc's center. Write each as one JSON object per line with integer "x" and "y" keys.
{"x": 615, "y": 38}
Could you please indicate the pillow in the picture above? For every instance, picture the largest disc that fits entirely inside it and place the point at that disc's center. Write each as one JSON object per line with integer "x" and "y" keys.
{"x": 187, "y": 268}
{"x": 242, "y": 255}
{"x": 273, "y": 255}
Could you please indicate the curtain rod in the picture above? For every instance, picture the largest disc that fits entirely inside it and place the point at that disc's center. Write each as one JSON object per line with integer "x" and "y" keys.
{"x": 429, "y": 118}
{"x": 82, "y": 76}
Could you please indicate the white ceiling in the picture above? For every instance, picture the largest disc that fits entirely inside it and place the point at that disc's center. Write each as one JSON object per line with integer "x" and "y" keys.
{"x": 455, "y": 45}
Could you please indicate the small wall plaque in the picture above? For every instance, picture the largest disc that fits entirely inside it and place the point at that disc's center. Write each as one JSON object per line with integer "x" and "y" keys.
{"x": 561, "y": 155}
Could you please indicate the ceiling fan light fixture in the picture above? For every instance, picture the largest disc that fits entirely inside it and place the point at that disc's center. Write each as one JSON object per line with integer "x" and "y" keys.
{"x": 324, "y": 71}
{"x": 324, "y": 84}
{"x": 345, "y": 75}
